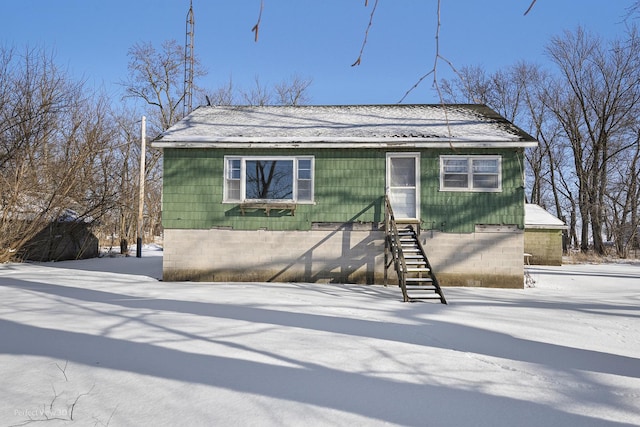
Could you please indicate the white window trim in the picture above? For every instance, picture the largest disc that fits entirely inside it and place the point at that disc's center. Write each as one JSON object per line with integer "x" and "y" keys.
{"x": 244, "y": 159}
{"x": 470, "y": 188}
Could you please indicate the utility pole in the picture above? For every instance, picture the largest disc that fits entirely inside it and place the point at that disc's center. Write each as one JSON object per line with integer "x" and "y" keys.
{"x": 143, "y": 144}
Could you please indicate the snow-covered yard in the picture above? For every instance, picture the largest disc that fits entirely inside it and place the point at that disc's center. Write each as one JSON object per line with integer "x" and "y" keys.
{"x": 104, "y": 342}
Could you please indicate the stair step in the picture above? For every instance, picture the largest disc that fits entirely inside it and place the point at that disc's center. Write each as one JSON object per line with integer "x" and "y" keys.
{"x": 418, "y": 270}
{"x": 418, "y": 279}
{"x": 434, "y": 296}
{"x": 430, "y": 289}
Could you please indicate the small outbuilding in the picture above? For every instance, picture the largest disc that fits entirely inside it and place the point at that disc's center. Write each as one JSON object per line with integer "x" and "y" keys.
{"x": 61, "y": 241}
{"x": 543, "y": 236}
{"x": 276, "y": 193}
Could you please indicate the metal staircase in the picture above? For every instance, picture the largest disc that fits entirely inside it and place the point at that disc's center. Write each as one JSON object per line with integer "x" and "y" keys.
{"x": 404, "y": 251}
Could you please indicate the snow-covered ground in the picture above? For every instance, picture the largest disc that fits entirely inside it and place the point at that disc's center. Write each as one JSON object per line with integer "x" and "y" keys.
{"x": 103, "y": 342}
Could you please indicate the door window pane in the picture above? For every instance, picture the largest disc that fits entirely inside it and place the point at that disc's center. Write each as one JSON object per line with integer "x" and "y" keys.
{"x": 403, "y": 172}
{"x": 403, "y": 203}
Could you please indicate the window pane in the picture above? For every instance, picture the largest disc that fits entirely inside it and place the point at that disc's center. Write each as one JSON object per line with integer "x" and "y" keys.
{"x": 452, "y": 180}
{"x": 304, "y": 174}
{"x": 233, "y": 169}
{"x": 304, "y": 190}
{"x": 304, "y": 164}
{"x": 269, "y": 179}
{"x": 485, "y": 166}
{"x": 304, "y": 169}
{"x": 233, "y": 189}
{"x": 456, "y": 165}
{"x": 485, "y": 181}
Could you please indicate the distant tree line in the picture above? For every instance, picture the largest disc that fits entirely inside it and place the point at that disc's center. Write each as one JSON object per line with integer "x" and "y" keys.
{"x": 585, "y": 112}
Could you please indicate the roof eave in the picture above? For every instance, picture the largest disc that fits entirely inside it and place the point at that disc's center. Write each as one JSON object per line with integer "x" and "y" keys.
{"x": 345, "y": 142}
{"x": 545, "y": 227}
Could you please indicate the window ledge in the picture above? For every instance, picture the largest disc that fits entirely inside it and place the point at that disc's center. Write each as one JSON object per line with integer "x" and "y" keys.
{"x": 268, "y": 206}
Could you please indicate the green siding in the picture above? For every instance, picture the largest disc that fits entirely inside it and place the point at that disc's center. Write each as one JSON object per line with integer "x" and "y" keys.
{"x": 349, "y": 187}
{"x": 459, "y": 212}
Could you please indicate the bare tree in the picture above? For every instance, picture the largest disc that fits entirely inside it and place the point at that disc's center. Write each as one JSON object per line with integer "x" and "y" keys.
{"x": 471, "y": 85}
{"x": 622, "y": 196}
{"x": 257, "y": 95}
{"x": 156, "y": 77}
{"x": 55, "y": 149}
{"x": 293, "y": 91}
{"x": 597, "y": 104}
{"x": 224, "y": 95}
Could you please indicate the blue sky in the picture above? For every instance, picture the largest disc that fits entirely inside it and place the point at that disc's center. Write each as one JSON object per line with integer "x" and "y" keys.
{"x": 315, "y": 39}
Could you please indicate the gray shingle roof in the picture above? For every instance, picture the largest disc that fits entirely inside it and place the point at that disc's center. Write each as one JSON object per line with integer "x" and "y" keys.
{"x": 344, "y": 126}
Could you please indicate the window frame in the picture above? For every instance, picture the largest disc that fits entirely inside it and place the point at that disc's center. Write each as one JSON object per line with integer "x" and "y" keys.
{"x": 243, "y": 179}
{"x": 470, "y": 173}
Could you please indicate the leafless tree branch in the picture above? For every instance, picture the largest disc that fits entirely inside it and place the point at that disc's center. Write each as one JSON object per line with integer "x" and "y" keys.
{"x": 366, "y": 33}
{"x": 256, "y": 28}
{"x": 530, "y": 7}
{"x": 437, "y": 57}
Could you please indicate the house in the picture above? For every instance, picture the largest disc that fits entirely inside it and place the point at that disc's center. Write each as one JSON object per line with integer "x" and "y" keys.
{"x": 286, "y": 194}
{"x": 543, "y": 235}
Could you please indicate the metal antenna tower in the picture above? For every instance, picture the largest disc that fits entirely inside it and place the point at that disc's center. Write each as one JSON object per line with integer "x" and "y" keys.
{"x": 188, "y": 62}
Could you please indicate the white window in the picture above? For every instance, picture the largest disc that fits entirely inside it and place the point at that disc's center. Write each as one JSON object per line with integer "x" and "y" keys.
{"x": 268, "y": 179}
{"x": 470, "y": 173}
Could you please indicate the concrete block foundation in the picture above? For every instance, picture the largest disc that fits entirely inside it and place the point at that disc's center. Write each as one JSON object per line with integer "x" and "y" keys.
{"x": 490, "y": 257}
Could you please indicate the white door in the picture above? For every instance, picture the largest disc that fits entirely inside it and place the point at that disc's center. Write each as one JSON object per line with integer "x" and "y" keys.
{"x": 403, "y": 184}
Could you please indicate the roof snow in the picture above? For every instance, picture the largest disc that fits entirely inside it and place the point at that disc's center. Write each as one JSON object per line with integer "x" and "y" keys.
{"x": 344, "y": 125}
{"x": 536, "y": 216}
